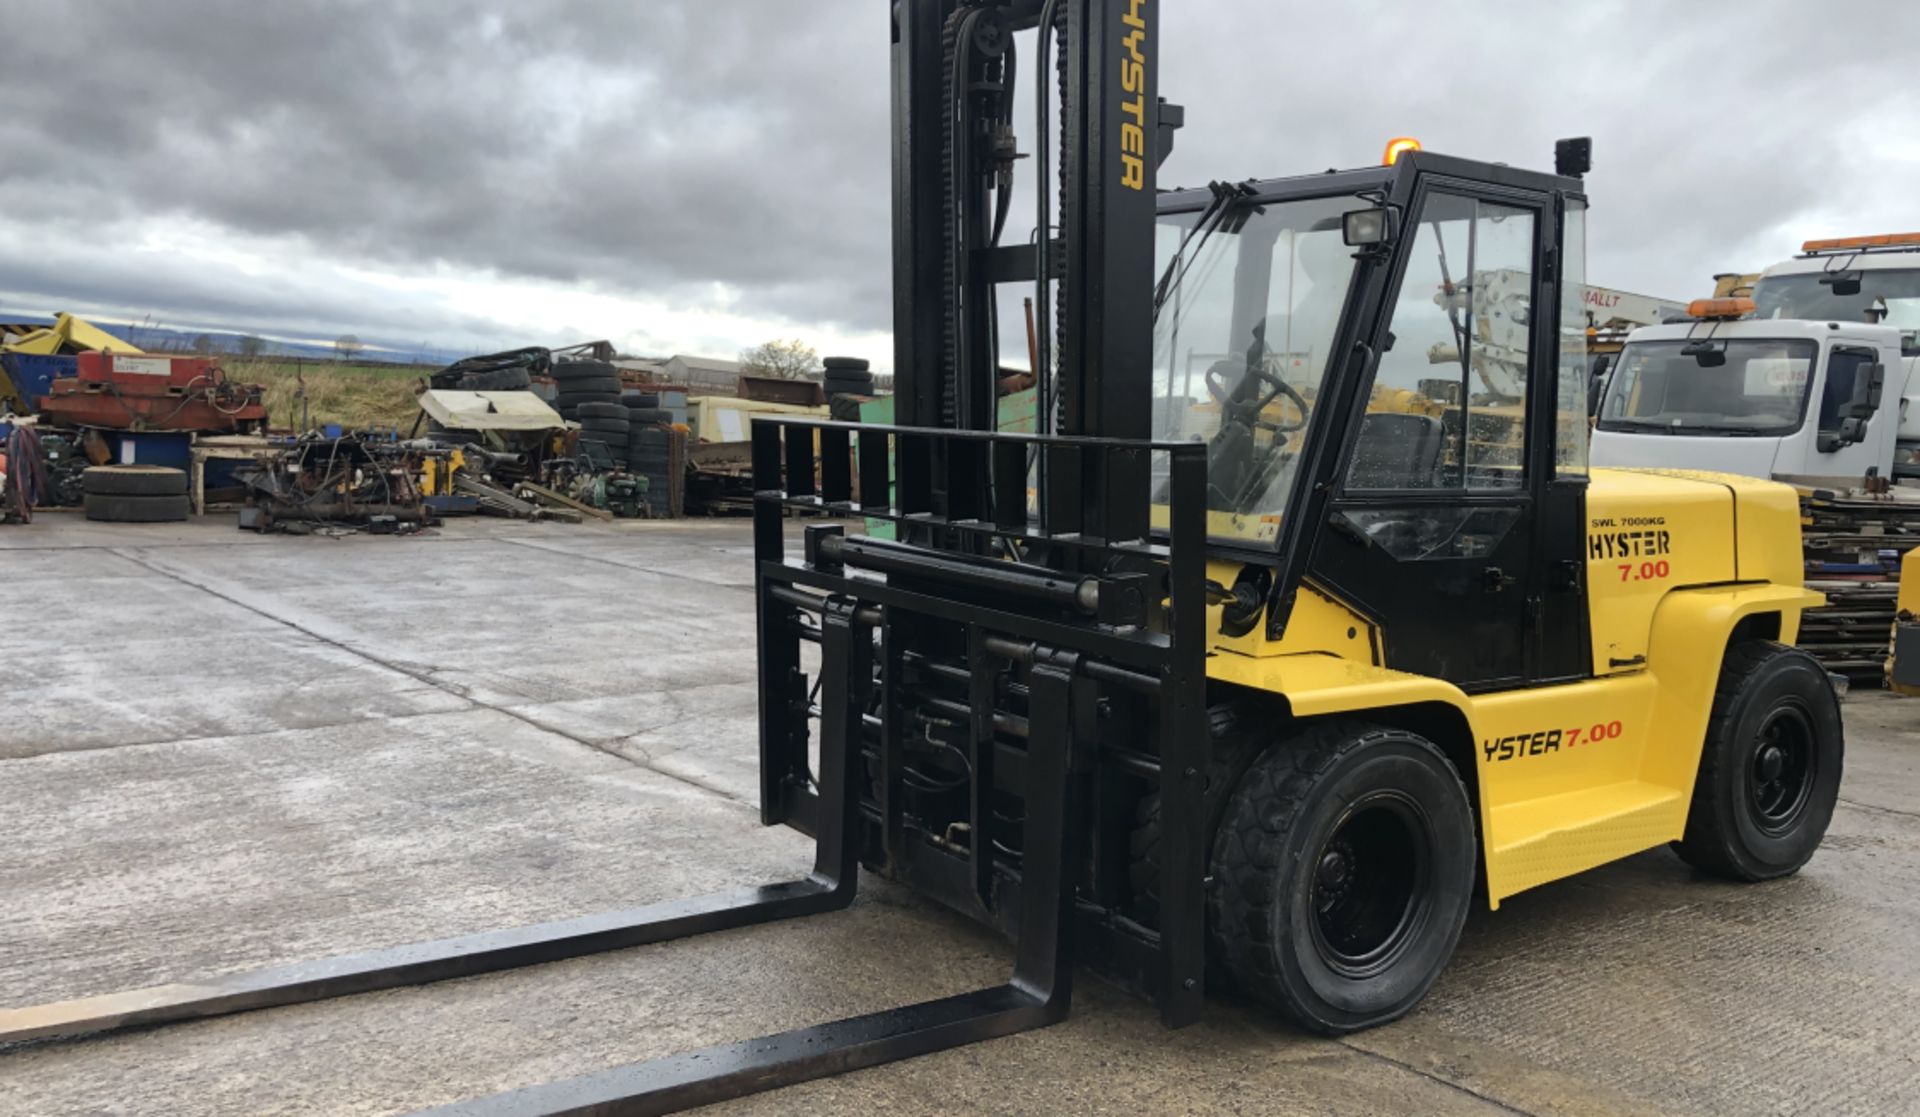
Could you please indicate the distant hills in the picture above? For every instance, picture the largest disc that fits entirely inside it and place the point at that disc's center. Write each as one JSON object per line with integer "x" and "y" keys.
{"x": 225, "y": 342}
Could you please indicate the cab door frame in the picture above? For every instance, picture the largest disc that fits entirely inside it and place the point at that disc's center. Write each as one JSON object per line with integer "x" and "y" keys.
{"x": 1438, "y": 603}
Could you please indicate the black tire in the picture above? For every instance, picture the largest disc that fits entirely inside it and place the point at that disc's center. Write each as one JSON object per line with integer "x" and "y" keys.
{"x": 653, "y": 438}
{"x": 569, "y": 372}
{"x": 570, "y": 405}
{"x": 1237, "y": 737}
{"x": 113, "y": 509}
{"x": 600, "y": 410}
{"x": 133, "y": 480}
{"x": 617, "y": 429}
{"x": 846, "y": 364}
{"x": 1770, "y": 767}
{"x": 497, "y": 380}
{"x": 604, "y": 391}
{"x": 854, "y": 383}
{"x": 1342, "y": 874}
{"x": 640, "y": 399}
{"x": 641, "y": 415}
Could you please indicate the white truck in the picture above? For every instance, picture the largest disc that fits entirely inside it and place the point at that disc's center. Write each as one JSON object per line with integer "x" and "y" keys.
{"x": 1809, "y": 381}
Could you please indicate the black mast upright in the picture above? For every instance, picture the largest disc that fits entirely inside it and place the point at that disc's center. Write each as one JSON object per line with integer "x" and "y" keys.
{"x": 953, "y": 79}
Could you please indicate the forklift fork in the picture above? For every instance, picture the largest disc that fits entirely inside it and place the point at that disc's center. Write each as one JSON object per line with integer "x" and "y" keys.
{"x": 1037, "y": 995}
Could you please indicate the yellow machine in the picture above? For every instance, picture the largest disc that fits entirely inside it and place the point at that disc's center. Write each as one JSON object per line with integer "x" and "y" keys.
{"x": 67, "y": 335}
{"x": 1300, "y": 617}
{"x": 1903, "y": 652}
{"x": 437, "y": 473}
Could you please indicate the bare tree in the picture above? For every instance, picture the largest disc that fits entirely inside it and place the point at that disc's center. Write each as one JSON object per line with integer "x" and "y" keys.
{"x": 348, "y": 346}
{"x": 203, "y": 344}
{"x": 251, "y": 346}
{"x": 786, "y": 360}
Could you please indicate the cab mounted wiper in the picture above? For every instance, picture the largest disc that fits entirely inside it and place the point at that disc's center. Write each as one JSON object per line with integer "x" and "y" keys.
{"x": 1211, "y": 218}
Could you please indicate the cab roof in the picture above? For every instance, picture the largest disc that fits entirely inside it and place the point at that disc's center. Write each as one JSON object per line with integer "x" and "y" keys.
{"x": 1383, "y": 178}
{"x": 1770, "y": 328}
{"x": 1901, "y": 259}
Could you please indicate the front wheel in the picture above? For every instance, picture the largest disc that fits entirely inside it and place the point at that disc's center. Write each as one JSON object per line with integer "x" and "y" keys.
{"x": 1342, "y": 874}
{"x": 1770, "y": 767}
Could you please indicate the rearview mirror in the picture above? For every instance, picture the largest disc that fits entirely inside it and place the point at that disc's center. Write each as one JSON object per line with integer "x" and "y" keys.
{"x": 1597, "y": 383}
{"x": 1705, "y": 353}
{"x": 1844, "y": 283}
{"x": 1851, "y": 431}
{"x": 1867, "y": 385}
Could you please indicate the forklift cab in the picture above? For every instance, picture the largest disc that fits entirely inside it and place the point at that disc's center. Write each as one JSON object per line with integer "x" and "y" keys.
{"x": 1376, "y": 362}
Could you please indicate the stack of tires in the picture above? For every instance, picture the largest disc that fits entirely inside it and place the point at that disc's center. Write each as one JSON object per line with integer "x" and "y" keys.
{"x": 511, "y": 379}
{"x": 134, "y": 494}
{"x": 848, "y": 376}
{"x": 847, "y": 379}
{"x": 608, "y": 424}
{"x": 650, "y": 455}
{"x": 645, "y": 414}
{"x": 584, "y": 382}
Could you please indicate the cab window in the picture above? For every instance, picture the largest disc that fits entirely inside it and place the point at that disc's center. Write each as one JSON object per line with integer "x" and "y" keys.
{"x": 1844, "y": 369}
{"x": 1447, "y": 409}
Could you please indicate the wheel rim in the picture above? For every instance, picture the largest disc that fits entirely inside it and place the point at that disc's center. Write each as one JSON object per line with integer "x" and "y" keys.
{"x": 1370, "y": 893}
{"x": 1780, "y": 772}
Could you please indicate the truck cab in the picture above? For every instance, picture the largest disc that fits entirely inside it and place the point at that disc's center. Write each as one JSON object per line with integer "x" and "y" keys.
{"x": 1810, "y": 378}
{"x": 1760, "y": 397}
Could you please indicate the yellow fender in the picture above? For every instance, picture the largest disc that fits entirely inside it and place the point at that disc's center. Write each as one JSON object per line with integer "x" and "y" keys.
{"x": 1690, "y": 632}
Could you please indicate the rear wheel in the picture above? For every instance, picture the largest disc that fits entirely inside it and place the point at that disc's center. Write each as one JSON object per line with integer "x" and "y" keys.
{"x": 1342, "y": 873}
{"x": 1770, "y": 767}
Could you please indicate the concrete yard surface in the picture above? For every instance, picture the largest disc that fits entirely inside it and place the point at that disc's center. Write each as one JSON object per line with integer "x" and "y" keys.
{"x": 220, "y": 751}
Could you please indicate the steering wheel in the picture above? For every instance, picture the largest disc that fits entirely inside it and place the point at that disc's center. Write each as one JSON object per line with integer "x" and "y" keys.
{"x": 1217, "y": 388}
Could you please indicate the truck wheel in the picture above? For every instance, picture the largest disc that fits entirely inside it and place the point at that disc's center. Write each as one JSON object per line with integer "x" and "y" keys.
{"x": 1770, "y": 768}
{"x": 1342, "y": 874}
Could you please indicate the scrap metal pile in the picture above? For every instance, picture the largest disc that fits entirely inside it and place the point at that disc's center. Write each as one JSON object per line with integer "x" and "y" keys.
{"x": 119, "y": 392}
{"x": 531, "y": 433}
{"x": 485, "y": 442}
{"x": 1853, "y": 544}
{"x": 354, "y": 479}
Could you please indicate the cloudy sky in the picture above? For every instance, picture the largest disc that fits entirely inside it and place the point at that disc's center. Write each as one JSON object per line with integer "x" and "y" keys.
{"x": 702, "y": 175}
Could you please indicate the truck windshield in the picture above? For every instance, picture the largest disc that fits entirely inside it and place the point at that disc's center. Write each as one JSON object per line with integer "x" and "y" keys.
{"x": 1660, "y": 387}
{"x": 1890, "y": 296}
{"x": 1247, "y": 313}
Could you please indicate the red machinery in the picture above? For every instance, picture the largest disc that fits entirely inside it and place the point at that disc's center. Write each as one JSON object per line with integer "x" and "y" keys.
{"x": 120, "y": 392}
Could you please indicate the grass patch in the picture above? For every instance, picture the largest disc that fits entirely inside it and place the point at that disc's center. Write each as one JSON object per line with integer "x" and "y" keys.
{"x": 352, "y": 397}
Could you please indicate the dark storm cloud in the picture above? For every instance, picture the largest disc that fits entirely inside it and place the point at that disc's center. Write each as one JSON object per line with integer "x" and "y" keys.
{"x": 1718, "y": 131}
{"x": 649, "y": 146}
{"x": 673, "y": 149}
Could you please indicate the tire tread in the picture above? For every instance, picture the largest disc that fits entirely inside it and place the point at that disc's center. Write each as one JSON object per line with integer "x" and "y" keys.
{"x": 1704, "y": 842}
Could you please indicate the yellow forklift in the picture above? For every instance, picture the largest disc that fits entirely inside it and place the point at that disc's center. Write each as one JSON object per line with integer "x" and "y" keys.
{"x": 1245, "y": 673}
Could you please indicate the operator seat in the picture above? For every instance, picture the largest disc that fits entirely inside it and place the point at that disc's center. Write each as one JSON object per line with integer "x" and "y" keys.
{"x": 1396, "y": 451}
